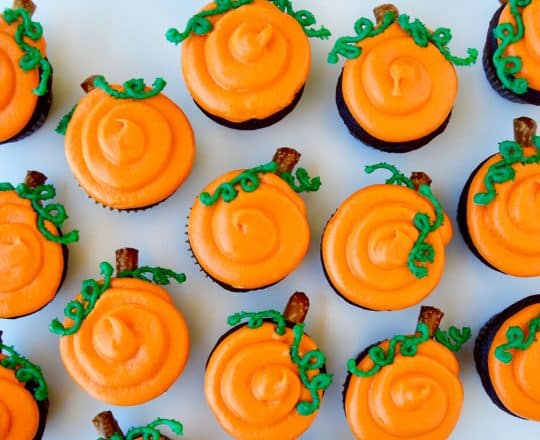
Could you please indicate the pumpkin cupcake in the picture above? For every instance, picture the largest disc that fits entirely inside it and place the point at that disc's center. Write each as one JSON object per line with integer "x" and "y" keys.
{"x": 265, "y": 378}
{"x": 408, "y": 387}
{"x": 129, "y": 147}
{"x": 512, "y": 51}
{"x": 506, "y": 355}
{"x": 398, "y": 87}
{"x": 33, "y": 251}
{"x": 109, "y": 429}
{"x": 384, "y": 247}
{"x": 245, "y": 62}
{"x": 25, "y": 73}
{"x": 248, "y": 229}
{"x": 496, "y": 212}
{"x": 123, "y": 340}
{"x": 24, "y": 397}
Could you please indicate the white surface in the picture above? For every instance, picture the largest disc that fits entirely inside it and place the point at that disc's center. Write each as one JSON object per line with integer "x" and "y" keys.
{"x": 123, "y": 39}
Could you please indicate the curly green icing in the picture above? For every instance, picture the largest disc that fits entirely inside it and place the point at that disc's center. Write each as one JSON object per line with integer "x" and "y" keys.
{"x": 25, "y": 372}
{"x": 406, "y": 345}
{"x": 305, "y": 182}
{"x": 200, "y": 25}
{"x": 313, "y": 360}
{"x": 516, "y": 340}
{"x": 422, "y": 252}
{"x": 150, "y": 431}
{"x": 348, "y": 47}
{"x": 32, "y": 58}
{"x": 62, "y": 126}
{"x": 453, "y": 339}
{"x": 256, "y": 319}
{"x": 503, "y": 171}
{"x": 54, "y": 213}
{"x": 78, "y": 309}
{"x": 133, "y": 89}
{"x": 507, "y": 34}
{"x": 159, "y": 275}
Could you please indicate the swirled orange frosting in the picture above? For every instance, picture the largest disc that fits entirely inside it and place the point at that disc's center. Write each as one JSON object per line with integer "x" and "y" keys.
{"x": 31, "y": 266}
{"x": 253, "y": 387}
{"x": 396, "y": 90}
{"x": 129, "y": 153}
{"x": 132, "y": 346}
{"x": 517, "y": 384}
{"x": 255, "y": 240}
{"x": 250, "y": 66}
{"x": 366, "y": 245}
{"x": 528, "y": 48}
{"x": 19, "y": 412}
{"x": 17, "y": 102}
{"x": 505, "y": 232}
{"x": 414, "y": 398}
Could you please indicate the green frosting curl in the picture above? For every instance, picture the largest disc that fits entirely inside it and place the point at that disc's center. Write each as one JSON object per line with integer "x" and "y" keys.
{"x": 133, "y": 89}
{"x": 256, "y": 319}
{"x": 150, "y": 431}
{"x": 453, "y": 339}
{"x": 62, "y": 126}
{"x": 517, "y": 340}
{"x": 159, "y": 275}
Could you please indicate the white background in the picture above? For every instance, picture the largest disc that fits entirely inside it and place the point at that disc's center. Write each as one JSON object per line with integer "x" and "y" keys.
{"x": 124, "y": 39}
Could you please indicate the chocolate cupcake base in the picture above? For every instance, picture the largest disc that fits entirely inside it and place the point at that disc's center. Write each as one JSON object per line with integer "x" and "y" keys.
{"x": 484, "y": 341}
{"x": 531, "y": 96}
{"x": 389, "y": 147}
{"x": 255, "y": 124}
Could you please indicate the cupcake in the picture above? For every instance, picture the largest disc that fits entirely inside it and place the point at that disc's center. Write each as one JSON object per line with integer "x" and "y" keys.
{"x": 109, "y": 429}
{"x": 408, "y": 387}
{"x": 123, "y": 341}
{"x": 496, "y": 212}
{"x": 129, "y": 147}
{"x": 245, "y": 63}
{"x": 398, "y": 87}
{"x": 25, "y": 73}
{"x": 506, "y": 354}
{"x": 384, "y": 247}
{"x": 24, "y": 397}
{"x": 248, "y": 229}
{"x": 511, "y": 54}
{"x": 33, "y": 251}
{"x": 265, "y": 378}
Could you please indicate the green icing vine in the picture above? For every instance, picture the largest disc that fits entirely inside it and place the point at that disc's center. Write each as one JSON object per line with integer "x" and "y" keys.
{"x": 133, "y": 89}
{"x": 408, "y": 346}
{"x": 62, "y": 126}
{"x": 422, "y": 252}
{"x": 150, "y": 431}
{"x": 347, "y": 46}
{"x": 77, "y": 310}
{"x": 305, "y": 182}
{"x": 517, "y": 340}
{"x": 453, "y": 339}
{"x": 159, "y": 275}
{"x": 502, "y": 171}
{"x": 312, "y": 360}
{"x": 256, "y": 319}
{"x": 32, "y": 57}
{"x": 25, "y": 372}
{"x": 200, "y": 25}
{"x": 54, "y": 213}
{"x": 508, "y": 67}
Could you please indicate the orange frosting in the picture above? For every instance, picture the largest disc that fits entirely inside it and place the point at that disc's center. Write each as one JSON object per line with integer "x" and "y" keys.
{"x": 396, "y": 90}
{"x": 517, "y": 384}
{"x": 253, "y": 387}
{"x": 367, "y": 242}
{"x": 250, "y": 66}
{"x": 528, "y": 48}
{"x": 132, "y": 346}
{"x": 414, "y": 398}
{"x": 505, "y": 232}
{"x": 31, "y": 266}
{"x": 129, "y": 153}
{"x": 19, "y": 412}
{"x": 17, "y": 102}
{"x": 255, "y": 240}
